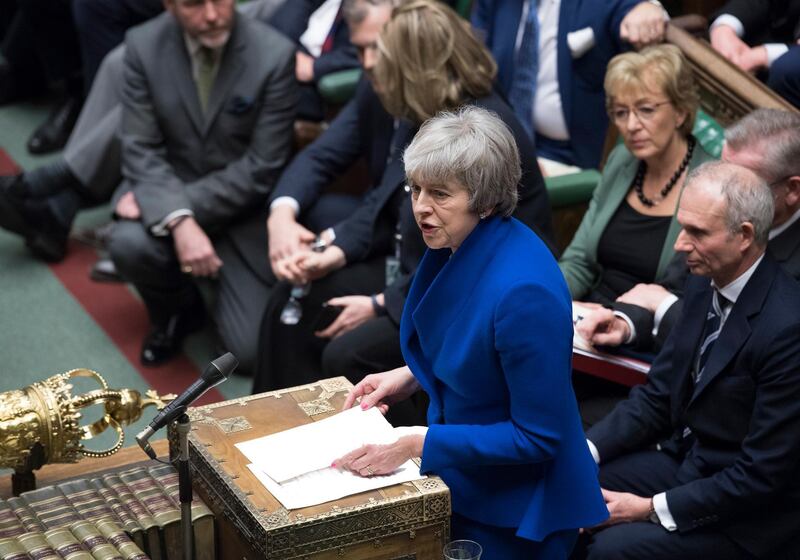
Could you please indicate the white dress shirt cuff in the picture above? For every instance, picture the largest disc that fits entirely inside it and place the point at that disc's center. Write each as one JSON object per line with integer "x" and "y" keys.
{"x": 775, "y": 51}
{"x": 286, "y": 201}
{"x": 663, "y": 513}
{"x": 661, "y": 310}
{"x": 593, "y": 450}
{"x": 161, "y": 230}
{"x": 631, "y": 328}
{"x": 663, "y": 9}
{"x": 731, "y": 21}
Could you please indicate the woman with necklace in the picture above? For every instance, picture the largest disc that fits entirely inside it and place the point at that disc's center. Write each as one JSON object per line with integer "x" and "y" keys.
{"x": 628, "y": 232}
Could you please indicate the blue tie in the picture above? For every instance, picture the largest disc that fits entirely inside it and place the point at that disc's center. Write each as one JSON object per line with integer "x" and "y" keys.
{"x": 526, "y": 70}
{"x": 711, "y": 332}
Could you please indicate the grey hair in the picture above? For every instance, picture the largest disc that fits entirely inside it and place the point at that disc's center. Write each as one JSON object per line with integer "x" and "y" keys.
{"x": 748, "y": 197}
{"x": 355, "y": 11}
{"x": 474, "y": 148}
{"x": 776, "y": 134}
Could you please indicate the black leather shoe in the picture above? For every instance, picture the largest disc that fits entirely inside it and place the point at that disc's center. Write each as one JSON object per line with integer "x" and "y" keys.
{"x": 53, "y": 133}
{"x": 164, "y": 341}
{"x": 34, "y": 221}
{"x": 104, "y": 270}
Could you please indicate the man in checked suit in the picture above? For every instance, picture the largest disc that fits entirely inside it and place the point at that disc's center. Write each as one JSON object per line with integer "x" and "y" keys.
{"x": 722, "y": 401}
{"x": 208, "y": 101}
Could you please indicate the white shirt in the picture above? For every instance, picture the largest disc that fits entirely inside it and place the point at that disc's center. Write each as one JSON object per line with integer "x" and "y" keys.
{"x": 548, "y": 113}
{"x": 319, "y": 26}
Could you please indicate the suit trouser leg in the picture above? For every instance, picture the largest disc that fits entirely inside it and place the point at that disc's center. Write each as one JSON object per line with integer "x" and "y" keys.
{"x": 93, "y": 150}
{"x": 150, "y": 264}
{"x": 648, "y": 473}
{"x": 241, "y": 300}
{"x": 291, "y": 355}
{"x": 784, "y": 76}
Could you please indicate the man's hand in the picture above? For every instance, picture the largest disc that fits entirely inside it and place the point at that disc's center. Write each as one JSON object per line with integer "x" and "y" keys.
{"x": 305, "y": 266}
{"x": 727, "y": 43}
{"x": 194, "y": 249}
{"x": 286, "y": 236}
{"x": 625, "y": 507}
{"x": 648, "y": 296}
{"x": 355, "y": 311}
{"x": 127, "y": 207}
{"x": 753, "y": 59}
{"x": 304, "y": 67}
{"x": 643, "y": 25}
{"x": 602, "y": 328}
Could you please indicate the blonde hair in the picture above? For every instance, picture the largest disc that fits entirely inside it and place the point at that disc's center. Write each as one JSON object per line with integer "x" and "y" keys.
{"x": 657, "y": 68}
{"x": 430, "y": 60}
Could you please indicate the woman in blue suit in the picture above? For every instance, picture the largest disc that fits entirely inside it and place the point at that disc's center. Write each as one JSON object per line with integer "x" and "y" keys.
{"x": 487, "y": 333}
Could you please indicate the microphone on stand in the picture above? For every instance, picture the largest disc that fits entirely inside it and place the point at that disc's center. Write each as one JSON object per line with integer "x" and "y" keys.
{"x": 215, "y": 373}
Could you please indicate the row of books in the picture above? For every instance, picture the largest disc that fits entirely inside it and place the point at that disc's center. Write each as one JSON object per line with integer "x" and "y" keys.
{"x": 81, "y": 540}
{"x": 143, "y": 501}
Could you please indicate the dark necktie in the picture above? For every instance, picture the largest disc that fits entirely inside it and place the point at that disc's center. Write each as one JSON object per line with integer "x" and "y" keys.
{"x": 526, "y": 70}
{"x": 711, "y": 332}
{"x": 205, "y": 75}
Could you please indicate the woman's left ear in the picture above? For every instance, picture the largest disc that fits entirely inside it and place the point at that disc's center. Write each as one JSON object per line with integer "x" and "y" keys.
{"x": 682, "y": 116}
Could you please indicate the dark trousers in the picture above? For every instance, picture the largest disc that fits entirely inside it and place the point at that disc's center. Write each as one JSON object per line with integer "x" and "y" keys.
{"x": 647, "y": 473}
{"x": 102, "y": 24}
{"x": 784, "y": 76}
{"x": 291, "y": 355}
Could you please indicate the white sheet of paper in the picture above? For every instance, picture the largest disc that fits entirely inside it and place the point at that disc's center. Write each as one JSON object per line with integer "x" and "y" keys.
{"x": 312, "y": 447}
{"x": 325, "y": 485}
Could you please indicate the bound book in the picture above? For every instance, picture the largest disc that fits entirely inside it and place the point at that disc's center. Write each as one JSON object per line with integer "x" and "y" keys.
{"x": 152, "y": 540}
{"x": 10, "y": 525}
{"x": 37, "y": 547}
{"x": 25, "y": 515}
{"x": 90, "y": 537}
{"x": 10, "y": 549}
{"x": 119, "y": 538}
{"x": 50, "y": 507}
{"x": 124, "y": 516}
{"x": 66, "y": 545}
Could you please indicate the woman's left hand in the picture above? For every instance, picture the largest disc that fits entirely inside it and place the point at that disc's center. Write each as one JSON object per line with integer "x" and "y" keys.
{"x": 374, "y": 459}
{"x": 355, "y": 311}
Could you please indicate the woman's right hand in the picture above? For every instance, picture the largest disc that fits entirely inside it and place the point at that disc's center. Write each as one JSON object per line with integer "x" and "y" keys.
{"x": 383, "y": 389}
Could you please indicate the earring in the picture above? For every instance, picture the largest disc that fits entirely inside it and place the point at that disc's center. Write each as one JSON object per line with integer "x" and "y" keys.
{"x": 482, "y": 215}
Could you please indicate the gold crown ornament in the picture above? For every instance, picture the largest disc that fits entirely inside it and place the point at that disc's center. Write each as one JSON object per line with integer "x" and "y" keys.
{"x": 42, "y": 423}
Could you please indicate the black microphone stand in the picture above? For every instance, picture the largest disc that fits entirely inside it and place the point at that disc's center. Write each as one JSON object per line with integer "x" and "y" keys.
{"x": 183, "y": 427}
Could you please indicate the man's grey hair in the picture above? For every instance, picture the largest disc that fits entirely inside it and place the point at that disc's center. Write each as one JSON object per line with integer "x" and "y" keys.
{"x": 773, "y": 132}
{"x": 354, "y": 11}
{"x": 474, "y": 148}
{"x": 748, "y": 197}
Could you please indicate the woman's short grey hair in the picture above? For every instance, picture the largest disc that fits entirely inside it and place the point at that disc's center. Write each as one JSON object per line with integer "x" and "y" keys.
{"x": 748, "y": 197}
{"x": 775, "y": 134}
{"x": 474, "y": 148}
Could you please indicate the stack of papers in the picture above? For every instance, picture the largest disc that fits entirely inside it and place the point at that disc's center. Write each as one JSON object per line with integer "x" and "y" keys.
{"x": 294, "y": 465}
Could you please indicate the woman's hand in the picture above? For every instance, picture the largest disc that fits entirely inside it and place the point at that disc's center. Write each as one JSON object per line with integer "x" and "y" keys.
{"x": 356, "y": 310}
{"x": 374, "y": 459}
{"x": 383, "y": 389}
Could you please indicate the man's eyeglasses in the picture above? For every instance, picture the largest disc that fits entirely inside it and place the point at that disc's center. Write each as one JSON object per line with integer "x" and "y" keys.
{"x": 644, "y": 112}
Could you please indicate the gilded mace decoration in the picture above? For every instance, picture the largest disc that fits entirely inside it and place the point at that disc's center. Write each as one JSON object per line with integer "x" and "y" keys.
{"x": 42, "y": 423}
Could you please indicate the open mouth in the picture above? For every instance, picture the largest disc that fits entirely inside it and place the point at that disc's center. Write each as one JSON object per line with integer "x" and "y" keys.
{"x": 426, "y": 228}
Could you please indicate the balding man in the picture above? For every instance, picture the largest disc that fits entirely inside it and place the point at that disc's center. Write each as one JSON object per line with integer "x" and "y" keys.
{"x": 700, "y": 462}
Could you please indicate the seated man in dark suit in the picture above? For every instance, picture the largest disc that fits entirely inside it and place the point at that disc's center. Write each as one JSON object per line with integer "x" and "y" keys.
{"x": 760, "y": 36}
{"x": 701, "y": 461}
{"x": 208, "y": 101}
{"x": 767, "y": 141}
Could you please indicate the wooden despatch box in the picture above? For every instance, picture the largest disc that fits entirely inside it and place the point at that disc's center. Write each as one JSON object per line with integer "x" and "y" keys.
{"x": 408, "y": 521}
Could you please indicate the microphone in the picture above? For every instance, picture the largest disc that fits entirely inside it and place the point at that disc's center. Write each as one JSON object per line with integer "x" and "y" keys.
{"x": 215, "y": 373}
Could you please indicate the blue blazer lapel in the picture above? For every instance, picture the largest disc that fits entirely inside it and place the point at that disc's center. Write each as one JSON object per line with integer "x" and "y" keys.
{"x": 736, "y": 329}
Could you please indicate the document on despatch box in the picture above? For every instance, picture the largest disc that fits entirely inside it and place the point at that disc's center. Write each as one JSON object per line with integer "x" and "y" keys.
{"x": 294, "y": 465}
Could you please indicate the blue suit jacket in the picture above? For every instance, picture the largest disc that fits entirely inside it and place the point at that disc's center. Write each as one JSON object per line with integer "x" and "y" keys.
{"x": 580, "y": 80}
{"x": 487, "y": 332}
{"x": 739, "y": 467}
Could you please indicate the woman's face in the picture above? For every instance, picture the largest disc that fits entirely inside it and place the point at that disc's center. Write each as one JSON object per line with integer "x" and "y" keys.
{"x": 647, "y": 122}
{"x": 442, "y": 213}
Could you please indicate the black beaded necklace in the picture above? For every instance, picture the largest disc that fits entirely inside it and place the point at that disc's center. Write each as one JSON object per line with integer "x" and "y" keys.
{"x": 638, "y": 181}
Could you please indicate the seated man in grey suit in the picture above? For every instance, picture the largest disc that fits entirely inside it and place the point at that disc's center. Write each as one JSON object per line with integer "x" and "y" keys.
{"x": 701, "y": 461}
{"x": 767, "y": 141}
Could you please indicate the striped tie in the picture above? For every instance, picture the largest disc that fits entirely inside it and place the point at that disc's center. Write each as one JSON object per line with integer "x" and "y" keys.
{"x": 526, "y": 71}
{"x": 711, "y": 332}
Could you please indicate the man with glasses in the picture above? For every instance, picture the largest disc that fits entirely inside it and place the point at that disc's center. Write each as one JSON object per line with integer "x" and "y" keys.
{"x": 767, "y": 141}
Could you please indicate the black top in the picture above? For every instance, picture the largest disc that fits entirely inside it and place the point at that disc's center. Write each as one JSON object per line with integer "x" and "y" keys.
{"x": 629, "y": 251}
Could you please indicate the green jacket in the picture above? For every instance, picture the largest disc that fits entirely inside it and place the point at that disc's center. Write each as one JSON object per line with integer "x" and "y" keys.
{"x": 579, "y": 262}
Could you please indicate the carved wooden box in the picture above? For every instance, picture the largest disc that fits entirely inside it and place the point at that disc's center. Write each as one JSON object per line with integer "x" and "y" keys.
{"x": 408, "y": 521}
